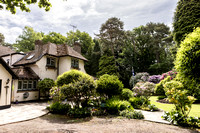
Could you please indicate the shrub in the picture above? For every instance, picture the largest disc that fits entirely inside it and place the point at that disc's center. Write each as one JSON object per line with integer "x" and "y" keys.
{"x": 69, "y": 77}
{"x": 56, "y": 94}
{"x": 131, "y": 114}
{"x": 79, "y": 112}
{"x": 187, "y": 62}
{"x": 159, "y": 88}
{"x": 144, "y": 89}
{"x": 176, "y": 118}
{"x": 115, "y": 105}
{"x": 45, "y": 85}
{"x": 80, "y": 91}
{"x": 136, "y": 102}
{"x": 139, "y": 77}
{"x": 109, "y": 85}
{"x": 154, "y": 79}
{"x": 171, "y": 73}
{"x": 178, "y": 96}
{"x": 59, "y": 108}
{"x": 152, "y": 107}
{"x": 126, "y": 94}
{"x": 162, "y": 97}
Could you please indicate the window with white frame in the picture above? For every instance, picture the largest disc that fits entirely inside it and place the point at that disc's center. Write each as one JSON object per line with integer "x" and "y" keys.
{"x": 74, "y": 63}
{"x": 51, "y": 62}
{"x": 27, "y": 85}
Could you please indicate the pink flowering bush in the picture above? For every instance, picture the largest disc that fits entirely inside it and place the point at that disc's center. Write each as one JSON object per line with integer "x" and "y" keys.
{"x": 171, "y": 73}
{"x": 144, "y": 89}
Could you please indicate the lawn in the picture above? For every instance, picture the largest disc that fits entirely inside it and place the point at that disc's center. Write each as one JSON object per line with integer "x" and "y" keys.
{"x": 195, "y": 111}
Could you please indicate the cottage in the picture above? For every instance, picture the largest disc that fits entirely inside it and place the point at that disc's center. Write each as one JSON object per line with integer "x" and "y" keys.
{"x": 6, "y": 76}
{"x": 46, "y": 61}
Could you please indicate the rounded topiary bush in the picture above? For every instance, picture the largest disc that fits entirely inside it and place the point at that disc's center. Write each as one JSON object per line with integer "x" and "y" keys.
{"x": 69, "y": 77}
{"x": 114, "y": 105}
{"x": 45, "y": 85}
{"x": 126, "y": 94}
{"x": 109, "y": 85}
{"x": 187, "y": 62}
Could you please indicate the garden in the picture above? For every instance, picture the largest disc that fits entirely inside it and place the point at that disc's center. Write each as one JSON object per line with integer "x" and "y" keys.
{"x": 77, "y": 95}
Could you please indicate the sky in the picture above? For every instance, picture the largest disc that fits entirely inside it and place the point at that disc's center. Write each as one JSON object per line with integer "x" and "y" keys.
{"x": 86, "y": 15}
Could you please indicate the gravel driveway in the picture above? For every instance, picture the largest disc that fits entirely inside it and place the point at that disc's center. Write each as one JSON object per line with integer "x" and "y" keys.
{"x": 61, "y": 124}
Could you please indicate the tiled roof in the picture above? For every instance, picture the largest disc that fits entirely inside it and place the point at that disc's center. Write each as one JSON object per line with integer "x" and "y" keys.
{"x": 48, "y": 49}
{"x": 25, "y": 73}
{"x": 5, "y": 50}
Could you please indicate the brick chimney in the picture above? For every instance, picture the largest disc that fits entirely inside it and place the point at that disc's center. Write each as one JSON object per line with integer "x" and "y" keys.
{"x": 77, "y": 47}
{"x": 38, "y": 47}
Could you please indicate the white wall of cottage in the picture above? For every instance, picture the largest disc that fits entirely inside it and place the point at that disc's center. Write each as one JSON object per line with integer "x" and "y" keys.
{"x": 4, "y": 76}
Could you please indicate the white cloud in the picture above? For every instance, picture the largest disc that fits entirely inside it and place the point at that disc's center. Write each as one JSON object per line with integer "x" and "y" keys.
{"x": 87, "y": 15}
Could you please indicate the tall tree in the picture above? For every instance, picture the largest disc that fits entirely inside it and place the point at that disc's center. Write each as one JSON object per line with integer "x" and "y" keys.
{"x": 107, "y": 64}
{"x": 83, "y": 38}
{"x": 186, "y": 18}
{"x": 112, "y": 35}
{"x": 160, "y": 39}
{"x": 2, "y": 38}
{"x": 11, "y": 5}
{"x": 152, "y": 43}
{"x": 26, "y": 41}
{"x": 54, "y": 37}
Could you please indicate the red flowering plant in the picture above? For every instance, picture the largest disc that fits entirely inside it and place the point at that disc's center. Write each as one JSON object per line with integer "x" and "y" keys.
{"x": 171, "y": 73}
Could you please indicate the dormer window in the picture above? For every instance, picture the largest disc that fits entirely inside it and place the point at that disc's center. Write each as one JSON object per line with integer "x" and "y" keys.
{"x": 74, "y": 63}
{"x": 51, "y": 62}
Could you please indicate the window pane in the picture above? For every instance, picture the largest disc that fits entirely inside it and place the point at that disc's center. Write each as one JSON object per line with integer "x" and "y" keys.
{"x": 19, "y": 85}
{"x": 48, "y": 61}
{"x": 30, "y": 84}
{"x": 25, "y": 84}
{"x": 34, "y": 84}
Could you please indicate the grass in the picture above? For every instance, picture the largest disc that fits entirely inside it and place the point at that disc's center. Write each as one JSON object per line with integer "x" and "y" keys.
{"x": 195, "y": 111}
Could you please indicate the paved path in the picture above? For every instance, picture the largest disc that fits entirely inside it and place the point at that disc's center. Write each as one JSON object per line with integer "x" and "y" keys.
{"x": 28, "y": 111}
{"x": 22, "y": 112}
{"x": 154, "y": 116}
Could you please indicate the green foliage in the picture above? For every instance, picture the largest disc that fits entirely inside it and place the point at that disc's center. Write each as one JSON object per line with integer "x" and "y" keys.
{"x": 136, "y": 102}
{"x": 153, "y": 107}
{"x": 2, "y": 39}
{"x": 92, "y": 66}
{"x": 83, "y": 38}
{"x": 26, "y": 41}
{"x": 79, "y": 112}
{"x": 54, "y": 37}
{"x": 187, "y": 62}
{"x": 55, "y": 94}
{"x": 126, "y": 94}
{"x": 11, "y": 5}
{"x": 109, "y": 85}
{"x": 112, "y": 35}
{"x": 131, "y": 114}
{"x": 45, "y": 85}
{"x": 69, "y": 77}
{"x": 178, "y": 96}
{"x": 107, "y": 66}
{"x": 79, "y": 92}
{"x": 159, "y": 88}
{"x": 59, "y": 108}
{"x": 186, "y": 18}
{"x": 152, "y": 43}
{"x": 114, "y": 105}
{"x": 176, "y": 118}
